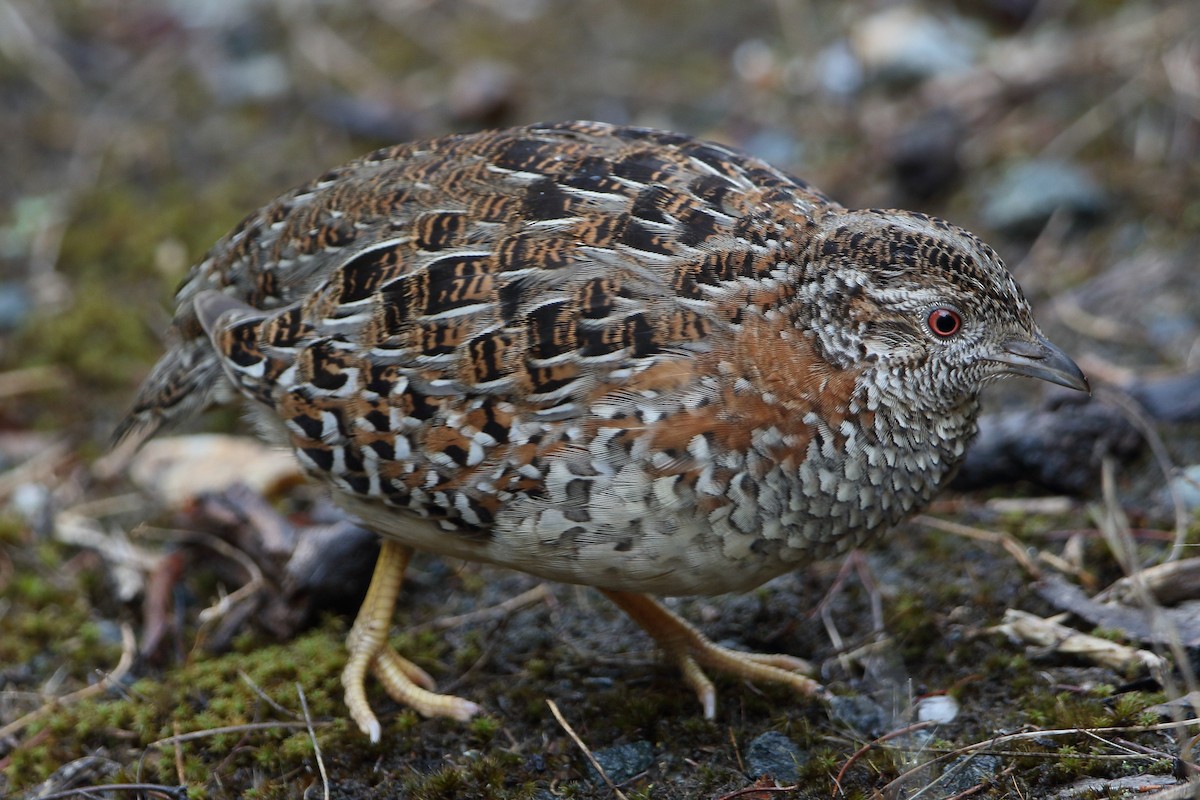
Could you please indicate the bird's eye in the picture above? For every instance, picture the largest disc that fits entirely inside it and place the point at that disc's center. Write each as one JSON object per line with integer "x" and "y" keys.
{"x": 945, "y": 322}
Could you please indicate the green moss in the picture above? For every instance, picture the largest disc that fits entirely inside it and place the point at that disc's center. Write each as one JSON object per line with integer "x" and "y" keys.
{"x": 1129, "y": 708}
{"x": 478, "y": 778}
{"x": 35, "y": 590}
{"x": 538, "y": 668}
{"x": 102, "y": 350}
{"x": 484, "y": 728}
{"x": 405, "y": 721}
{"x": 469, "y": 651}
{"x": 213, "y": 696}
{"x": 645, "y": 793}
{"x": 13, "y": 529}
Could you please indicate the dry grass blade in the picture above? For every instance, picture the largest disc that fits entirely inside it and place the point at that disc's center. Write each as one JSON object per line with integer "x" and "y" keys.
{"x": 250, "y": 726}
{"x": 1115, "y": 528}
{"x": 1032, "y": 629}
{"x": 153, "y": 789}
{"x": 1169, "y": 583}
{"x": 1011, "y": 546}
{"x": 994, "y": 746}
{"x": 1187, "y": 791}
{"x": 566, "y": 726}
{"x": 254, "y": 687}
{"x": 39, "y": 468}
{"x": 746, "y": 791}
{"x": 1145, "y": 426}
{"x": 312, "y": 735}
{"x": 222, "y": 607}
{"x": 916, "y": 726}
{"x": 538, "y": 594}
{"x": 32, "y": 379}
{"x": 128, "y": 649}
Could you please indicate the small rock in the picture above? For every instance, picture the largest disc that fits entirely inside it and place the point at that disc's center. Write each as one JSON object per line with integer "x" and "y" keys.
{"x": 966, "y": 772}
{"x": 368, "y": 117}
{"x": 258, "y": 77}
{"x": 1058, "y": 447}
{"x": 1028, "y": 194}
{"x": 838, "y": 72}
{"x": 904, "y": 45}
{"x": 482, "y": 91}
{"x": 1010, "y": 13}
{"x": 330, "y": 566}
{"x": 622, "y": 762}
{"x": 34, "y": 502}
{"x": 860, "y": 713}
{"x": 15, "y": 305}
{"x": 775, "y": 755}
{"x": 939, "y": 708}
{"x": 599, "y": 681}
{"x": 924, "y": 156}
{"x": 1187, "y": 486}
{"x": 108, "y": 631}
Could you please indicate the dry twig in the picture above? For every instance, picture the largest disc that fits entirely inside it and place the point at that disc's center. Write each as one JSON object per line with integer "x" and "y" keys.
{"x": 312, "y": 735}
{"x": 128, "y": 648}
{"x": 1010, "y": 544}
{"x": 566, "y": 726}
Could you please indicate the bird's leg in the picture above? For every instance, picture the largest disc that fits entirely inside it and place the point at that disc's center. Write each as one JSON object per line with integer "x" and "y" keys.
{"x": 693, "y": 651}
{"x": 367, "y": 644}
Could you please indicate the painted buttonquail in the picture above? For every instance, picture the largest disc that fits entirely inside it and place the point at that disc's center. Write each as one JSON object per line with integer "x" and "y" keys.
{"x": 608, "y": 356}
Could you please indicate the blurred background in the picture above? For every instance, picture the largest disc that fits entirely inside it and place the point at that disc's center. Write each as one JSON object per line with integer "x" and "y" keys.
{"x": 134, "y": 134}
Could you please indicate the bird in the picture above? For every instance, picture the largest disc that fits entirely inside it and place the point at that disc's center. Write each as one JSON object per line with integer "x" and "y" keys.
{"x": 603, "y": 355}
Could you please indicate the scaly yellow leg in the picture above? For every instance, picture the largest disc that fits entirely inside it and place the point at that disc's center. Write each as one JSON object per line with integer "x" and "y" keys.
{"x": 692, "y": 651}
{"x": 367, "y": 644}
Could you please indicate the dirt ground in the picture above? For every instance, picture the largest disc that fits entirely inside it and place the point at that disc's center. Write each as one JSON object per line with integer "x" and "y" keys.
{"x": 155, "y": 641}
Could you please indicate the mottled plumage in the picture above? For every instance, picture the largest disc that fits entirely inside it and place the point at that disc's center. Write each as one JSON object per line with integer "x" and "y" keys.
{"x": 609, "y": 356}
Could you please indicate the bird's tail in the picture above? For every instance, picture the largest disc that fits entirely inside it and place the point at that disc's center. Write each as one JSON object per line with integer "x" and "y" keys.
{"x": 185, "y": 381}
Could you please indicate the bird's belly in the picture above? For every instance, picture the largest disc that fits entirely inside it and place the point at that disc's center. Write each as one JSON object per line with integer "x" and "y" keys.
{"x": 680, "y": 555}
{"x": 629, "y": 531}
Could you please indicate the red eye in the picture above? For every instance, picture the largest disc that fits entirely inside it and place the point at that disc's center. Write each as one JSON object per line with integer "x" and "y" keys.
{"x": 945, "y": 322}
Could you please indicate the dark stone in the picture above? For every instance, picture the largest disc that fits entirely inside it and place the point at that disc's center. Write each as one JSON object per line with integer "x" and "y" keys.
{"x": 924, "y": 156}
{"x": 1059, "y": 447}
{"x": 1029, "y": 193}
{"x": 966, "y": 772}
{"x": 15, "y": 305}
{"x": 860, "y": 713}
{"x": 1173, "y": 399}
{"x": 622, "y": 762}
{"x": 774, "y": 754}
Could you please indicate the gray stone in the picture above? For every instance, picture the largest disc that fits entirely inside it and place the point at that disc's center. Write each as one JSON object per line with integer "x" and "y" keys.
{"x": 860, "y": 713}
{"x": 1187, "y": 485}
{"x": 903, "y": 44}
{"x": 966, "y": 772}
{"x": 839, "y": 72}
{"x": 775, "y": 755}
{"x": 1028, "y": 194}
{"x": 622, "y": 762}
{"x": 15, "y": 305}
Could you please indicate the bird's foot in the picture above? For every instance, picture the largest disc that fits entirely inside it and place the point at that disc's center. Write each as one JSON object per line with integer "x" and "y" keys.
{"x": 692, "y": 651}
{"x": 403, "y": 680}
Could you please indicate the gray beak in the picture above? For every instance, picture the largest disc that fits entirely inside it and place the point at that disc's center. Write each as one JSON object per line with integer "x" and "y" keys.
{"x": 1040, "y": 359}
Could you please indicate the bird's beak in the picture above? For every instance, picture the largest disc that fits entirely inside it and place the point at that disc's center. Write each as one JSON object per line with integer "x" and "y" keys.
{"x": 1040, "y": 359}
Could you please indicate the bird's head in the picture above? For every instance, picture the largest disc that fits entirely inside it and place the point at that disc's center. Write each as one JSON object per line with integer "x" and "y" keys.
{"x": 925, "y": 306}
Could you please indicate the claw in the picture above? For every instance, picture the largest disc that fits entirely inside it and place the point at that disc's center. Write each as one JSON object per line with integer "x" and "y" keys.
{"x": 404, "y": 681}
{"x": 693, "y": 651}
